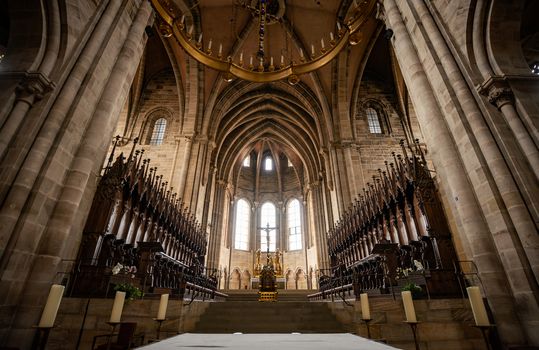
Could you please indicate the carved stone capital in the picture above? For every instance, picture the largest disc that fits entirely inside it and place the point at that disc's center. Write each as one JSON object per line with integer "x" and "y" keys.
{"x": 33, "y": 87}
{"x": 497, "y": 91}
{"x": 500, "y": 96}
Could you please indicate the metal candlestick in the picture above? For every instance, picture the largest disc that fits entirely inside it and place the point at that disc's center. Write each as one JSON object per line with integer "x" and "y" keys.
{"x": 368, "y": 329}
{"x": 113, "y": 326}
{"x": 485, "y": 331}
{"x": 159, "y": 323}
{"x": 413, "y": 325}
{"x": 40, "y": 341}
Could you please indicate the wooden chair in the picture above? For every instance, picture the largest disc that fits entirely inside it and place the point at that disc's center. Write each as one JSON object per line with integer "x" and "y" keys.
{"x": 125, "y": 338}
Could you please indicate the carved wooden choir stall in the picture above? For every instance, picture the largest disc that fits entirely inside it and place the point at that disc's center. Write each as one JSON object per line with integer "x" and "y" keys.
{"x": 396, "y": 232}
{"x": 139, "y": 232}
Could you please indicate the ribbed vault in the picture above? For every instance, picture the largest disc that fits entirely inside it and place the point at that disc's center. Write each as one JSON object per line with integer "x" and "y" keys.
{"x": 247, "y": 113}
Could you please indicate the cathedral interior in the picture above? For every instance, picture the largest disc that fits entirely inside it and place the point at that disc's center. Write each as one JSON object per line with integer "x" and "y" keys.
{"x": 344, "y": 148}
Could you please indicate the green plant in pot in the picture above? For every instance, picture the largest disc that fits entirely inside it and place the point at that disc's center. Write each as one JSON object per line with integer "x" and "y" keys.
{"x": 131, "y": 292}
{"x": 416, "y": 290}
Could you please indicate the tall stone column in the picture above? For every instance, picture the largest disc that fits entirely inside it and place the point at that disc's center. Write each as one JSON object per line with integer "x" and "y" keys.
{"x": 32, "y": 88}
{"x": 519, "y": 256}
{"x": 63, "y": 230}
{"x": 501, "y": 96}
{"x": 447, "y": 162}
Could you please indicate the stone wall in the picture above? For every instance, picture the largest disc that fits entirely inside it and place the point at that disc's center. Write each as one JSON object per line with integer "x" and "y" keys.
{"x": 445, "y": 324}
{"x": 181, "y": 318}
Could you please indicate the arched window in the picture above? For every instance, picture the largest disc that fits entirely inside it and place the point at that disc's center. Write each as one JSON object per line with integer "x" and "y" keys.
{"x": 243, "y": 211}
{"x": 158, "y": 132}
{"x": 294, "y": 225}
{"x": 268, "y": 217}
{"x": 374, "y": 121}
{"x": 268, "y": 164}
{"x": 247, "y": 162}
{"x": 535, "y": 68}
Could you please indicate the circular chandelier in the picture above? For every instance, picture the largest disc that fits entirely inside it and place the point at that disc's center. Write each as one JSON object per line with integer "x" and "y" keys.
{"x": 261, "y": 69}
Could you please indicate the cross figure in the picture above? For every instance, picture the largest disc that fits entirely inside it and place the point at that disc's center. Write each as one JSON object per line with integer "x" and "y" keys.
{"x": 267, "y": 229}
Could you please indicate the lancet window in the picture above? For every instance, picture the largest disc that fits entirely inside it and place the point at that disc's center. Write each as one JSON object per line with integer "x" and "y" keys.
{"x": 294, "y": 225}
{"x": 241, "y": 240}
{"x": 268, "y": 218}
{"x": 158, "y": 132}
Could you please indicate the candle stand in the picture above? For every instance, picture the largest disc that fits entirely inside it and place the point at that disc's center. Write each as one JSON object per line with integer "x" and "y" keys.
{"x": 40, "y": 341}
{"x": 413, "y": 325}
{"x": 485, "y": 331}
{"x": 113, "y": 326}
{"x": 159, "y": 322}
{"x": 367, "y": 320}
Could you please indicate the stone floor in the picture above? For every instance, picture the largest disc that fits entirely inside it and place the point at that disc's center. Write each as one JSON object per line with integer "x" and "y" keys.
{"x": 267, "y": 342}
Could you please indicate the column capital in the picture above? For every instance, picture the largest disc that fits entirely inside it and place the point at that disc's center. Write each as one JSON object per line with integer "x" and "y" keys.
{"x": 497, "y": 91}
{"x": 32, "y": 87}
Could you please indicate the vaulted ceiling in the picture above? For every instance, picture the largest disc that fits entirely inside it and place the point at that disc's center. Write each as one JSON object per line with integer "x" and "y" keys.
{"x": 233, "y": 116}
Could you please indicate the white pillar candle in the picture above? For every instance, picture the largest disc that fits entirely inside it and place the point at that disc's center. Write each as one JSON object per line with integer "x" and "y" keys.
{"x": 478, "y": 307}
{"x": 365, "y": 310}
{"x": 163, "y": 303}
{"x": 117, "y": 307}
{"x": 51, "y": 307}
{"x": 322, "y": 43}
{"x": 408, "y": 306}
{"x": 331, "y": 36}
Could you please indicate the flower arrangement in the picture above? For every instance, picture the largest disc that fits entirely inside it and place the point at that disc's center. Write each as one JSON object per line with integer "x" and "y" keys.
{"x": 131, "y": 292}
{"x": 403, "y": 273}
{"x": 119, "y": 268}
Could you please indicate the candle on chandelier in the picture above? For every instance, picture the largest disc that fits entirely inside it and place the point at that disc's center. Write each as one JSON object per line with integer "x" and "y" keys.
{"x": 241, "y": 56}
{"x": 331, "y": 36}
{"x": 271, "y": 61}
{"x": 190, "y": 32}
{"x": 365, "y": 309}
{"x": 200, "y": 38}
{"x": 209, "y": 45}
{"x": 220, "y": 49}
{"x": 51, "y": 307}
{"x": 312, "y": 49}
{"x": 478, "y": 307}
{"x": 282, "y": 60}
{"x": 322, "y": 43}
{"x": 183, "y": 19}
{"x": 163, "y": 303}
{"x": 301, "y": 53}
{"x": 339, "y": 26}
{"x": 251, "y": 60}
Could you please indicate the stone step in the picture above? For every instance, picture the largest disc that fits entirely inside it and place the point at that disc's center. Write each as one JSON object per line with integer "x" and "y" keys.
{"x": 268, "y": 317}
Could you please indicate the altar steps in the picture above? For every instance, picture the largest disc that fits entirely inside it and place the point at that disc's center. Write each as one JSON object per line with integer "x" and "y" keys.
{"x": 268, "y": 317}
